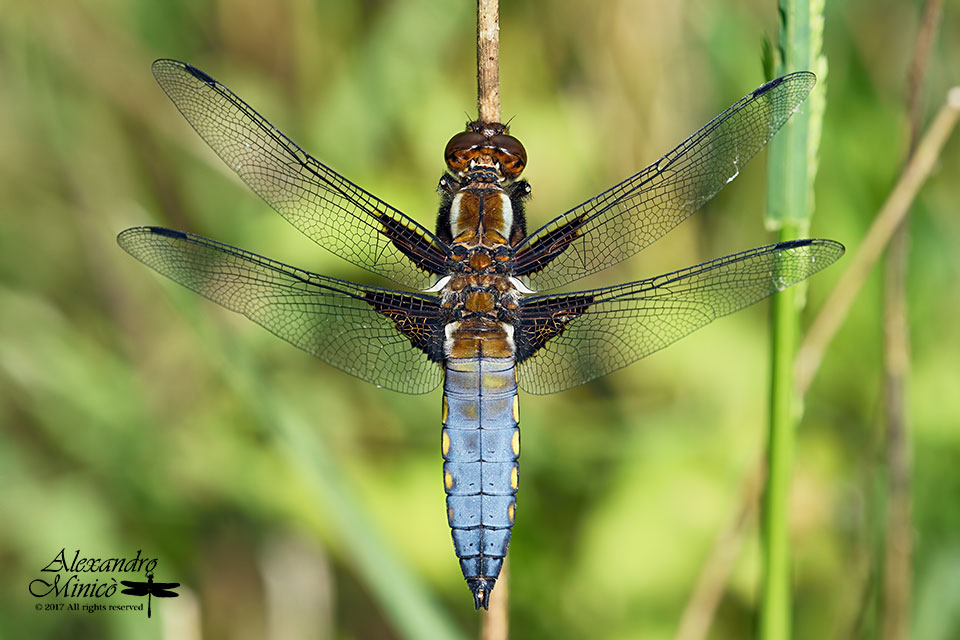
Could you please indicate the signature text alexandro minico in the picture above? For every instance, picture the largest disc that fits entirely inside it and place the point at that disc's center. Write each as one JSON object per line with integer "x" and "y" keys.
{"x": 66, "y": 580}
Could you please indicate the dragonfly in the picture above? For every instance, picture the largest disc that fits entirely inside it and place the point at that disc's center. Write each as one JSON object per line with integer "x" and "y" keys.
{"x": 150, "y": 589}
{"x": 475, "y": 310}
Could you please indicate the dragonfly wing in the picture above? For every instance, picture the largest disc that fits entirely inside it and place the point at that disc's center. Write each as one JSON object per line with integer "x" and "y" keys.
{"x": 136, "y": 588}
{"x": 621, "y": 221}
{"x": 390, "y": 338}
{"x": 329, "y": 209}
{"x": 566, "y": 340}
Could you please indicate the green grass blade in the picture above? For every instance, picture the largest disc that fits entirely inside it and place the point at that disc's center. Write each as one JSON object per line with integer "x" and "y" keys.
{"x": 792, "y": 169}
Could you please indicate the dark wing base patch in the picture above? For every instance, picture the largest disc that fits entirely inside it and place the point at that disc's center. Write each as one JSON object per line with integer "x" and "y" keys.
{"x": 544, "y": 319}
{"x": 535, "y": 257}
{"x": 421, "y": 251}
{"x": 420, "y": 322}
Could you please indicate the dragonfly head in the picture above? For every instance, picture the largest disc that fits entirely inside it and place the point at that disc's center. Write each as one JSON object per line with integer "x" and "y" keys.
{"x": 487, "y": 145}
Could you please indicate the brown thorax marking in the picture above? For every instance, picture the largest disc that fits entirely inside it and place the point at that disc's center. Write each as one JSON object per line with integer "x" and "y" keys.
{"x": 481, "y": 306}
{"x": 473, "y": 338}
{"x": 481, "y": 217}
{"x": 480, "y": 298}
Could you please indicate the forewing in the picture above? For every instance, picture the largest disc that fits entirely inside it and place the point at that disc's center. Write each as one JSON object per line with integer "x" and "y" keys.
{"x": 631, "y": 215}
{"x": 162, "y": 589}
{"x": 328, "y": 208}
{"x": 136, "y": 588}
{"x": 165, "y": 585}
{"x": 566, "y": 340}
{"x": 379, "y": 335}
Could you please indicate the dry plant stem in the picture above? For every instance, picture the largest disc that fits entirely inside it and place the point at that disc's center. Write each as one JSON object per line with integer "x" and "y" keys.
{"x": 898, "y": 543}
{"x": 894, "y": 210}
{"x": 898, "y": 549}
{"x": 496, "y": 621}
{"x": 918, "y": 67}
{"x": 702, "y": 606}
{"x": 488, "y": 60}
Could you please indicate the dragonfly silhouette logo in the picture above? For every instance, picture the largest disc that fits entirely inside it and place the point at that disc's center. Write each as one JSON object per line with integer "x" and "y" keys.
{"x": 150, "y": 589}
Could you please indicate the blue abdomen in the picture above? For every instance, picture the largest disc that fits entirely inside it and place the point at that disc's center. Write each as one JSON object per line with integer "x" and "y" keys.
{"x": 480, "y": 443}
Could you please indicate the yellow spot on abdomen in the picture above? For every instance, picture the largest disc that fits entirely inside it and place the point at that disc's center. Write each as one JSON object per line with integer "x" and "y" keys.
{"x": 516, "y": 442}
{"x": 446, "y": 410}
{"x": 445, "y": 443}
{"x": 516, "y": 408}
{"x": 448, "y": 480}
{"x": 515, "y": 477}
{"x": 493, "y": 382}
{"x": 511, "y": 511}
{"x": 450, "y": 515}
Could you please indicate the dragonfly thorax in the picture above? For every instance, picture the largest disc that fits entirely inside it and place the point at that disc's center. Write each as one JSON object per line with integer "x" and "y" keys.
{"x": 481, "y": 217}
{"x": 480, "y": 296}
{"x": 477, "y": 211}
{"x": 480, "y": 303}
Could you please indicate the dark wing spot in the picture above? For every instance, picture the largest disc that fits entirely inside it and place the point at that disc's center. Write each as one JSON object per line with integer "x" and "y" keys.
{"x": 546, "y": 318}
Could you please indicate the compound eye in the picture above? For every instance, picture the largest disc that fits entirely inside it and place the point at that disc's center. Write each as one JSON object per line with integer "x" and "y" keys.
{"x": 461, "y": 148}
{"x": 510, "y": 154}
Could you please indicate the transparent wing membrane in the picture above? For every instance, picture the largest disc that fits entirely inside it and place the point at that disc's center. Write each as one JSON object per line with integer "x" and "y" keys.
{"x": 621, "y": 221}
{"x": 354, "y": 328}
{"x": 325, "y": 206}
{"x": 396, "y": 339}
{"x": 569, "y": 339}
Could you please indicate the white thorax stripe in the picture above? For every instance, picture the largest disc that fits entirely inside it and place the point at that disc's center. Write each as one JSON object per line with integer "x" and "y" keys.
{"x": 448, "y": 332}
{"x": 440, "y": 284}
{"x": 519, "y": 286}
{"x": 507, "y": 215}
{"x": 455, "y": 229}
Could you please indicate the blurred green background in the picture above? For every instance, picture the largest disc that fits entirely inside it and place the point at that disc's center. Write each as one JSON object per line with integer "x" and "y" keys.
{"x": 292, "y": 500}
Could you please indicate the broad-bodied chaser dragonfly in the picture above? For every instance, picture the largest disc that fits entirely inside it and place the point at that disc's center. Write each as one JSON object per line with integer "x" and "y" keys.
{"x": 472, "y": 317}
